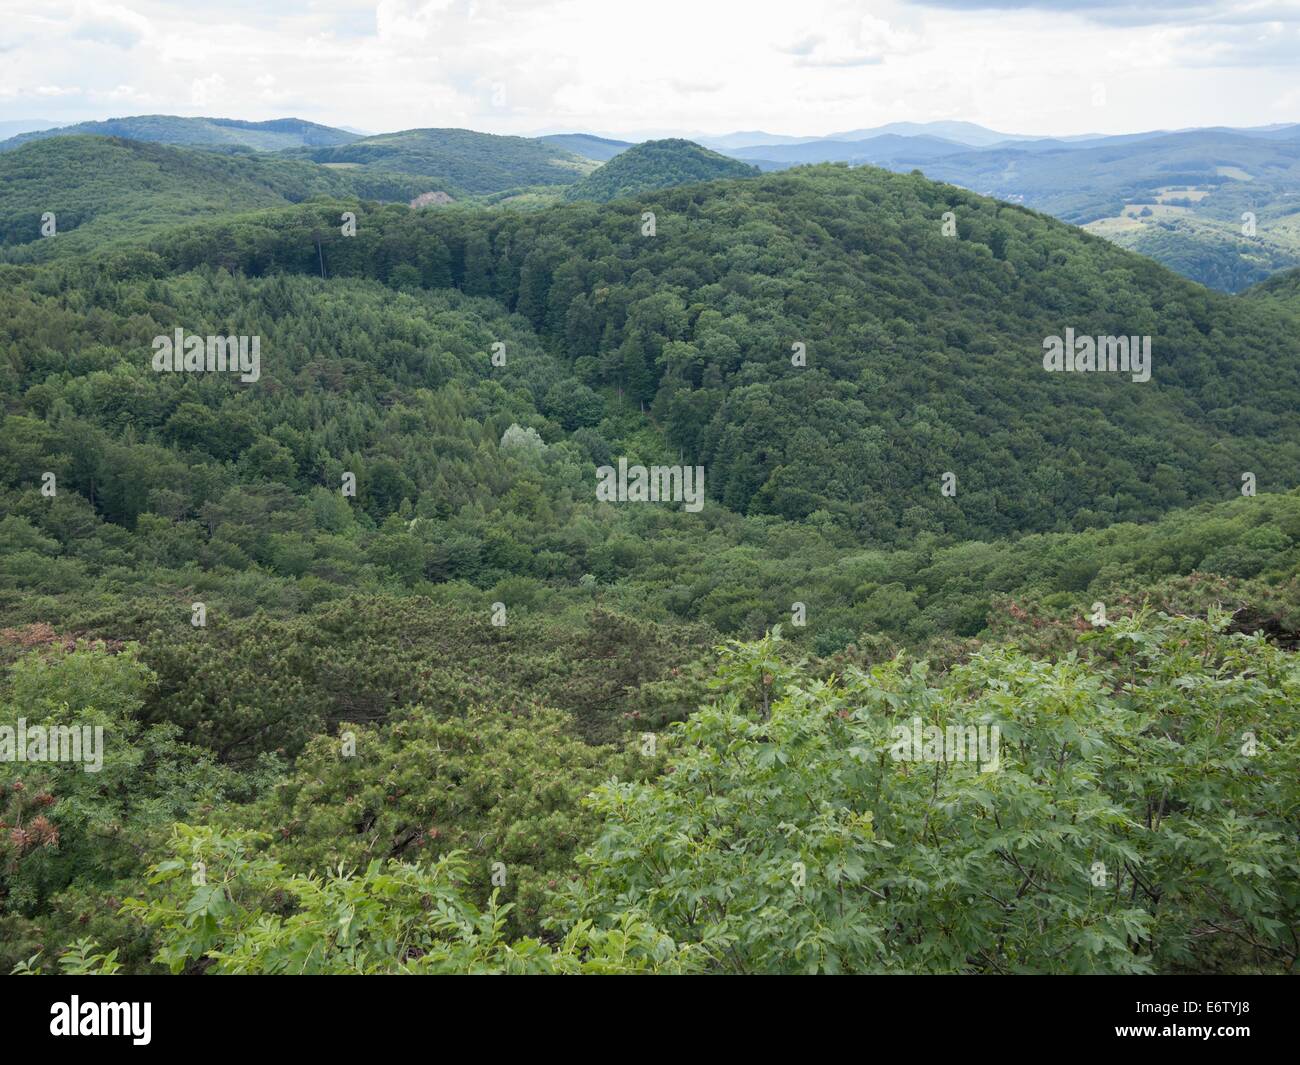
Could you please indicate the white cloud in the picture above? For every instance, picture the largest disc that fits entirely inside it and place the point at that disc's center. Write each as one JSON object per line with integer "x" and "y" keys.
{"x": 206, "y": 91}
{"x": 664, "y": 65}
{"x": 125, "y": 93}
{"x": 110, "y": 24}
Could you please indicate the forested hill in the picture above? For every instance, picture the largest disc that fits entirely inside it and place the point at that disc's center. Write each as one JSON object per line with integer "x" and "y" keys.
{"x": 1180, "y": 198}
{"x": 924, "y": 352}
{"x": 588, "y": 146}
{"x": 656, "y": 165}
{"x": 479, "y": 162}
{"x": 1283, "y": 288}
{"x": 274, "y": 135}
{"x": 102, "y": 190}
{"x": 387, "y": 543}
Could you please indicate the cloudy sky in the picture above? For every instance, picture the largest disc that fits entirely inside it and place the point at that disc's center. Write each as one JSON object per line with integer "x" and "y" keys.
{"x": 634, "y": 68}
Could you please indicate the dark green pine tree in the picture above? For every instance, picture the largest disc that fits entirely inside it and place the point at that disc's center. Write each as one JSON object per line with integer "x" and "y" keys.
{"x": 636, "y": 379}
{"x": 478, "y": 265}
{"x": 534, "y": 283}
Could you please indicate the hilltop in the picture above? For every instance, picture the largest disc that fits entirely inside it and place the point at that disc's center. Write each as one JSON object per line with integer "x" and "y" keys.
{"x": 1180, "y": 197}
{"x": 1217, "y": 205}
{"x": 601, "y": 149}
{"x": 924, "y": 352}
{"x": 273, "y": 135}
{"x": 476, "y": 162}
{"x": 1284, "y": 288}
{"x": 102, "y": 189}
{"x": 656, "y": 165}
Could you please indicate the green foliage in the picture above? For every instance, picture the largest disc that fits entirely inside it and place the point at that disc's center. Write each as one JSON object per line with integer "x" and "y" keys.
{"x": 256, "y": 686}
{"x": 70, "y": 831}
{"x": 104, "y": 190}
{"x": 246, "y": 915}
{"x": 1200, "y": 236}
{"x": 208, "y": 132}
{"x": 354, "y": 697}
{"x": 1214, "y": 252}
{"x": 1282, "y": 287}
{"x": 476, "y": 162}
{"x": 925, "y": 352}
{"x": 1169, "y": 756}
{"x": 656, "y": 165}
{"x": 492, "y": 786}
{"x": 77, "y": 960}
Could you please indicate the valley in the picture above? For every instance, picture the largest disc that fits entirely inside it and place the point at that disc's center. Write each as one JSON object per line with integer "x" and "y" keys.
{"x": 485, "y": 557}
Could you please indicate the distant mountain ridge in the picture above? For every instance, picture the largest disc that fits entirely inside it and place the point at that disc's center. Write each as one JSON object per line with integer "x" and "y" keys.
{"x": 15, "y": 126}
{"x": 971, "y": 135}
{"x": 588, "y": 145}
{"x": 1220, "y": 208}
{"x": 888, "y": 147}
{"x": 273, "y": 135}
{"x": 962, "y": 134}
{"x": 1220, "y": 205}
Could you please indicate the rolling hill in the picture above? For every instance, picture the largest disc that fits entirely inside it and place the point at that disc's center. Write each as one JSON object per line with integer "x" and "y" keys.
{"x": 602, "y": 149}
{"x": 882, "y": 150}
{"x": 103, "y": 189}
{"x": 824, "y": 480}
{"x": 963, "y": 134}
{"x": 1282, "y": 287}
{"x": 477, "y": 162}
{"x": 395, "y": 543}
{"x": 270, "y": 136}
{"x": 924, "y": 351}
{"x": 1081, "y": 185}
{"x": 656, "y": 165}
{"x": 13, "y": 127}
{"x": 1180, "y": 198}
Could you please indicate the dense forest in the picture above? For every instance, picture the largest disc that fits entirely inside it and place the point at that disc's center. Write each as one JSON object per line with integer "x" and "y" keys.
{"x": 90, "y": 191}
{"x": 275, "y": 135}
{"x": 1217, "y": 205}
{"x": 385, "y": 686}
{"x": 478, "y": 162}
{"x": 655, "y": 165}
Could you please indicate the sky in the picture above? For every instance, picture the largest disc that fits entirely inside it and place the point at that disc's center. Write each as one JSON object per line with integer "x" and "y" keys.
{"x": 634, "y": 69}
